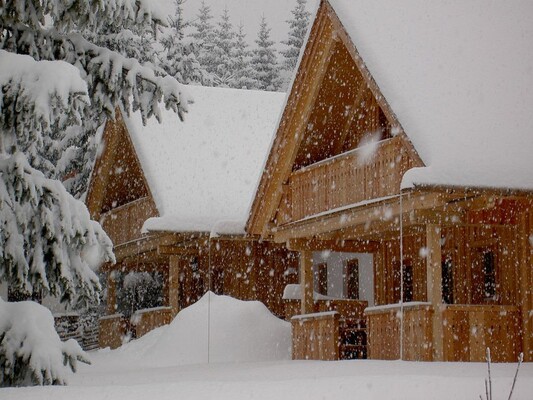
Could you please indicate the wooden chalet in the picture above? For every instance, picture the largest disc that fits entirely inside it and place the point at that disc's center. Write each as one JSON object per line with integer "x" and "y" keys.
{"x": 174, "y": 199}
{"x": 407, "y": 137}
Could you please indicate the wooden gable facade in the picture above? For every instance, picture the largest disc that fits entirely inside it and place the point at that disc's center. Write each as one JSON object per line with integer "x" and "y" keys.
{"x": 188, "y": 264}
{"x": 452, "y": 266}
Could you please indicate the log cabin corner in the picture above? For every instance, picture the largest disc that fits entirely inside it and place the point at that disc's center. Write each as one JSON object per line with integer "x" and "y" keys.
{"x": 384, "y": 153}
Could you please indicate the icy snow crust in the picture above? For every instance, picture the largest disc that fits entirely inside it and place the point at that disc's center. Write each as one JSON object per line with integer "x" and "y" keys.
{"x": 202, "y": 172}
{"x": 459, "y": 76}
{"x": 239, "y": 331}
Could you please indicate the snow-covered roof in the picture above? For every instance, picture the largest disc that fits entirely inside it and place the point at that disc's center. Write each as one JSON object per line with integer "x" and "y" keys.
{"x": 202, "y": 172}
{"x": 459, "y": 76}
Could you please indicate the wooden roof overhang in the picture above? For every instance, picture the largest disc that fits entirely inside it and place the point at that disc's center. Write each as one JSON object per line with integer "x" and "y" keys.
{"x": 361, "y": 226}
{"x": 326, "y": 35}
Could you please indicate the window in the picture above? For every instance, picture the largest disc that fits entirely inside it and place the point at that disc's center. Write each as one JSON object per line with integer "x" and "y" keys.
{"x": 489, "y": 275}
{"x": 447, "y": 281}
{"x": 322, "y": 281}
{"x": 352, "y": 279}
{"x": 407, "y": 283}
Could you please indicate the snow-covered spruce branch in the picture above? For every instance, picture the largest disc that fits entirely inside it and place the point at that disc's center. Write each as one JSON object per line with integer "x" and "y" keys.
{"x": 47, "y": 240}
{"x": 30, "y": 349}
{"x": 33, "y": 100}
{"x": 112, "y": 78}
{"x": 82, "y": 14}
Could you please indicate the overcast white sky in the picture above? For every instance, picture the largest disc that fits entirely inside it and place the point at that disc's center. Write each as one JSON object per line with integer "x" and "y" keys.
{"x": 249, "y": 12}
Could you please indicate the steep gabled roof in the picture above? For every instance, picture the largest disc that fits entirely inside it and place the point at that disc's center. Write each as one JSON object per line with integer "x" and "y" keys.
{"x": 117, "y": 177}
{"x": 454, "y": 78}
{"x": 459, "y": 77}
{"x": 202, "y": 172}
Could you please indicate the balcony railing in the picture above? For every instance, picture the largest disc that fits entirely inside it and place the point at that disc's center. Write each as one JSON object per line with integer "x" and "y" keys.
{"x": 349, "y": 178}
{"x": 124, "y": 223}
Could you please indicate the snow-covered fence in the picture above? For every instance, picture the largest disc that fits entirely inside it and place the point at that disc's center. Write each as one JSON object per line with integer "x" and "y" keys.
{"x": 316, "y": 336}
{"x": 143, "y": 321}
{"x": 68, "y": 326}
{"x": 384, "y": 334}
{"x": 77, "y": 327}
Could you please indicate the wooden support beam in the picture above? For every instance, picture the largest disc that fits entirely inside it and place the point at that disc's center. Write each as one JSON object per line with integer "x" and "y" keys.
{"x": 111, "y": 306}
{"x": 177, "y": 250}
{"x": 526, "y": 282}
{"x": 434, "y": 286}
{"x": 306, "y": 282}
{"x": 340, "y": 245}
{"x": 173, "y": 284}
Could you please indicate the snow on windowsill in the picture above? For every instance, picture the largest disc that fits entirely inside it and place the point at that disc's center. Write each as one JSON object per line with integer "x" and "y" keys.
{"x": 314, "y": 315}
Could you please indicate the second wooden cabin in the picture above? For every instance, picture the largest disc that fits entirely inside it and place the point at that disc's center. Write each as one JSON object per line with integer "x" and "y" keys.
{"x": 174, "y": 199}
{"x": 407, "y": 140}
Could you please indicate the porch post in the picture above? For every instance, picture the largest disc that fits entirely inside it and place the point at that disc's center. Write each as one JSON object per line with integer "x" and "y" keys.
{"x": 525, "y": 283}
{"x": 306, "y": 282}
{"x": 111, "y": 307}
{"x": 434, "y": 286}
{"x": 173, "y": 284}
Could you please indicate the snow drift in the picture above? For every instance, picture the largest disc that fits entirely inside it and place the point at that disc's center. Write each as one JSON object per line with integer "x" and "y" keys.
{"x": 230, "y": 330}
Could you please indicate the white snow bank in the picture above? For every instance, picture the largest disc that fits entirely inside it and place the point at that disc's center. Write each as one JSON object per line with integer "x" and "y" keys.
{"x": 230, "y": 330}
{"x": 30, "y": 348}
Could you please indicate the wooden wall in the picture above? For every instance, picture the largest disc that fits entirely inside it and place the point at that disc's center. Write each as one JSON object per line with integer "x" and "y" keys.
{"x": 387, "y": 270}
{"x": 244, "y": 269}
{"x": 255, "y": 271}
{"x": 460, "y": 244}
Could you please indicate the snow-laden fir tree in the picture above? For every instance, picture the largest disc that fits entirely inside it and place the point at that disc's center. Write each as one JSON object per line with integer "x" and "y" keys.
{"x": 297, "y": 30}
{"x": 51, "y": 78}
{"x": 241, "y": 67}
{"x": 74, "y": 157}
{"x": 204, "y": 39}
{"x": 223, "y": 51}
{"x": 179, "y": 56}
{"x": 264, "y": 61}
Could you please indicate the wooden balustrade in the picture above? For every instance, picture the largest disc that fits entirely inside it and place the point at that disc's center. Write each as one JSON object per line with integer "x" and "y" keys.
{"x": 384, "y": 332}
{"x": 124, "y": 223}
{"x": 315, "y": 336}
{"x": 349, "y": 178}
{"x": 470, "y": 329}
{"x": 112, "y": 331}
{"x": 146, "y": 320}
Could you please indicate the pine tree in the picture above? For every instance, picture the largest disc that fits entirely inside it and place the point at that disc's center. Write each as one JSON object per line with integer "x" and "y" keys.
{"x": 204, "y": 38}
{"x": 52, "y": 80}
{"x": 264, "y": 62}
{"x": 241, "y": 62}
{"x": 179, "y": 56}
{"x": 297, "y": 30}
{"x": 223, "y": 51}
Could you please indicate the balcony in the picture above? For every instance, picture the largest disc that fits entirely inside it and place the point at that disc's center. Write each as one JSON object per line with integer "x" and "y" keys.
{"x": 124, "y": 223}
{"x": 348, "y": 178}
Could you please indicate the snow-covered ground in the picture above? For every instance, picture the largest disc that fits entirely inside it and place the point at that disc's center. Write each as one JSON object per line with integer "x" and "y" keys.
{"x": 171, "y": 363}
{"x": 280, "y": 380}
